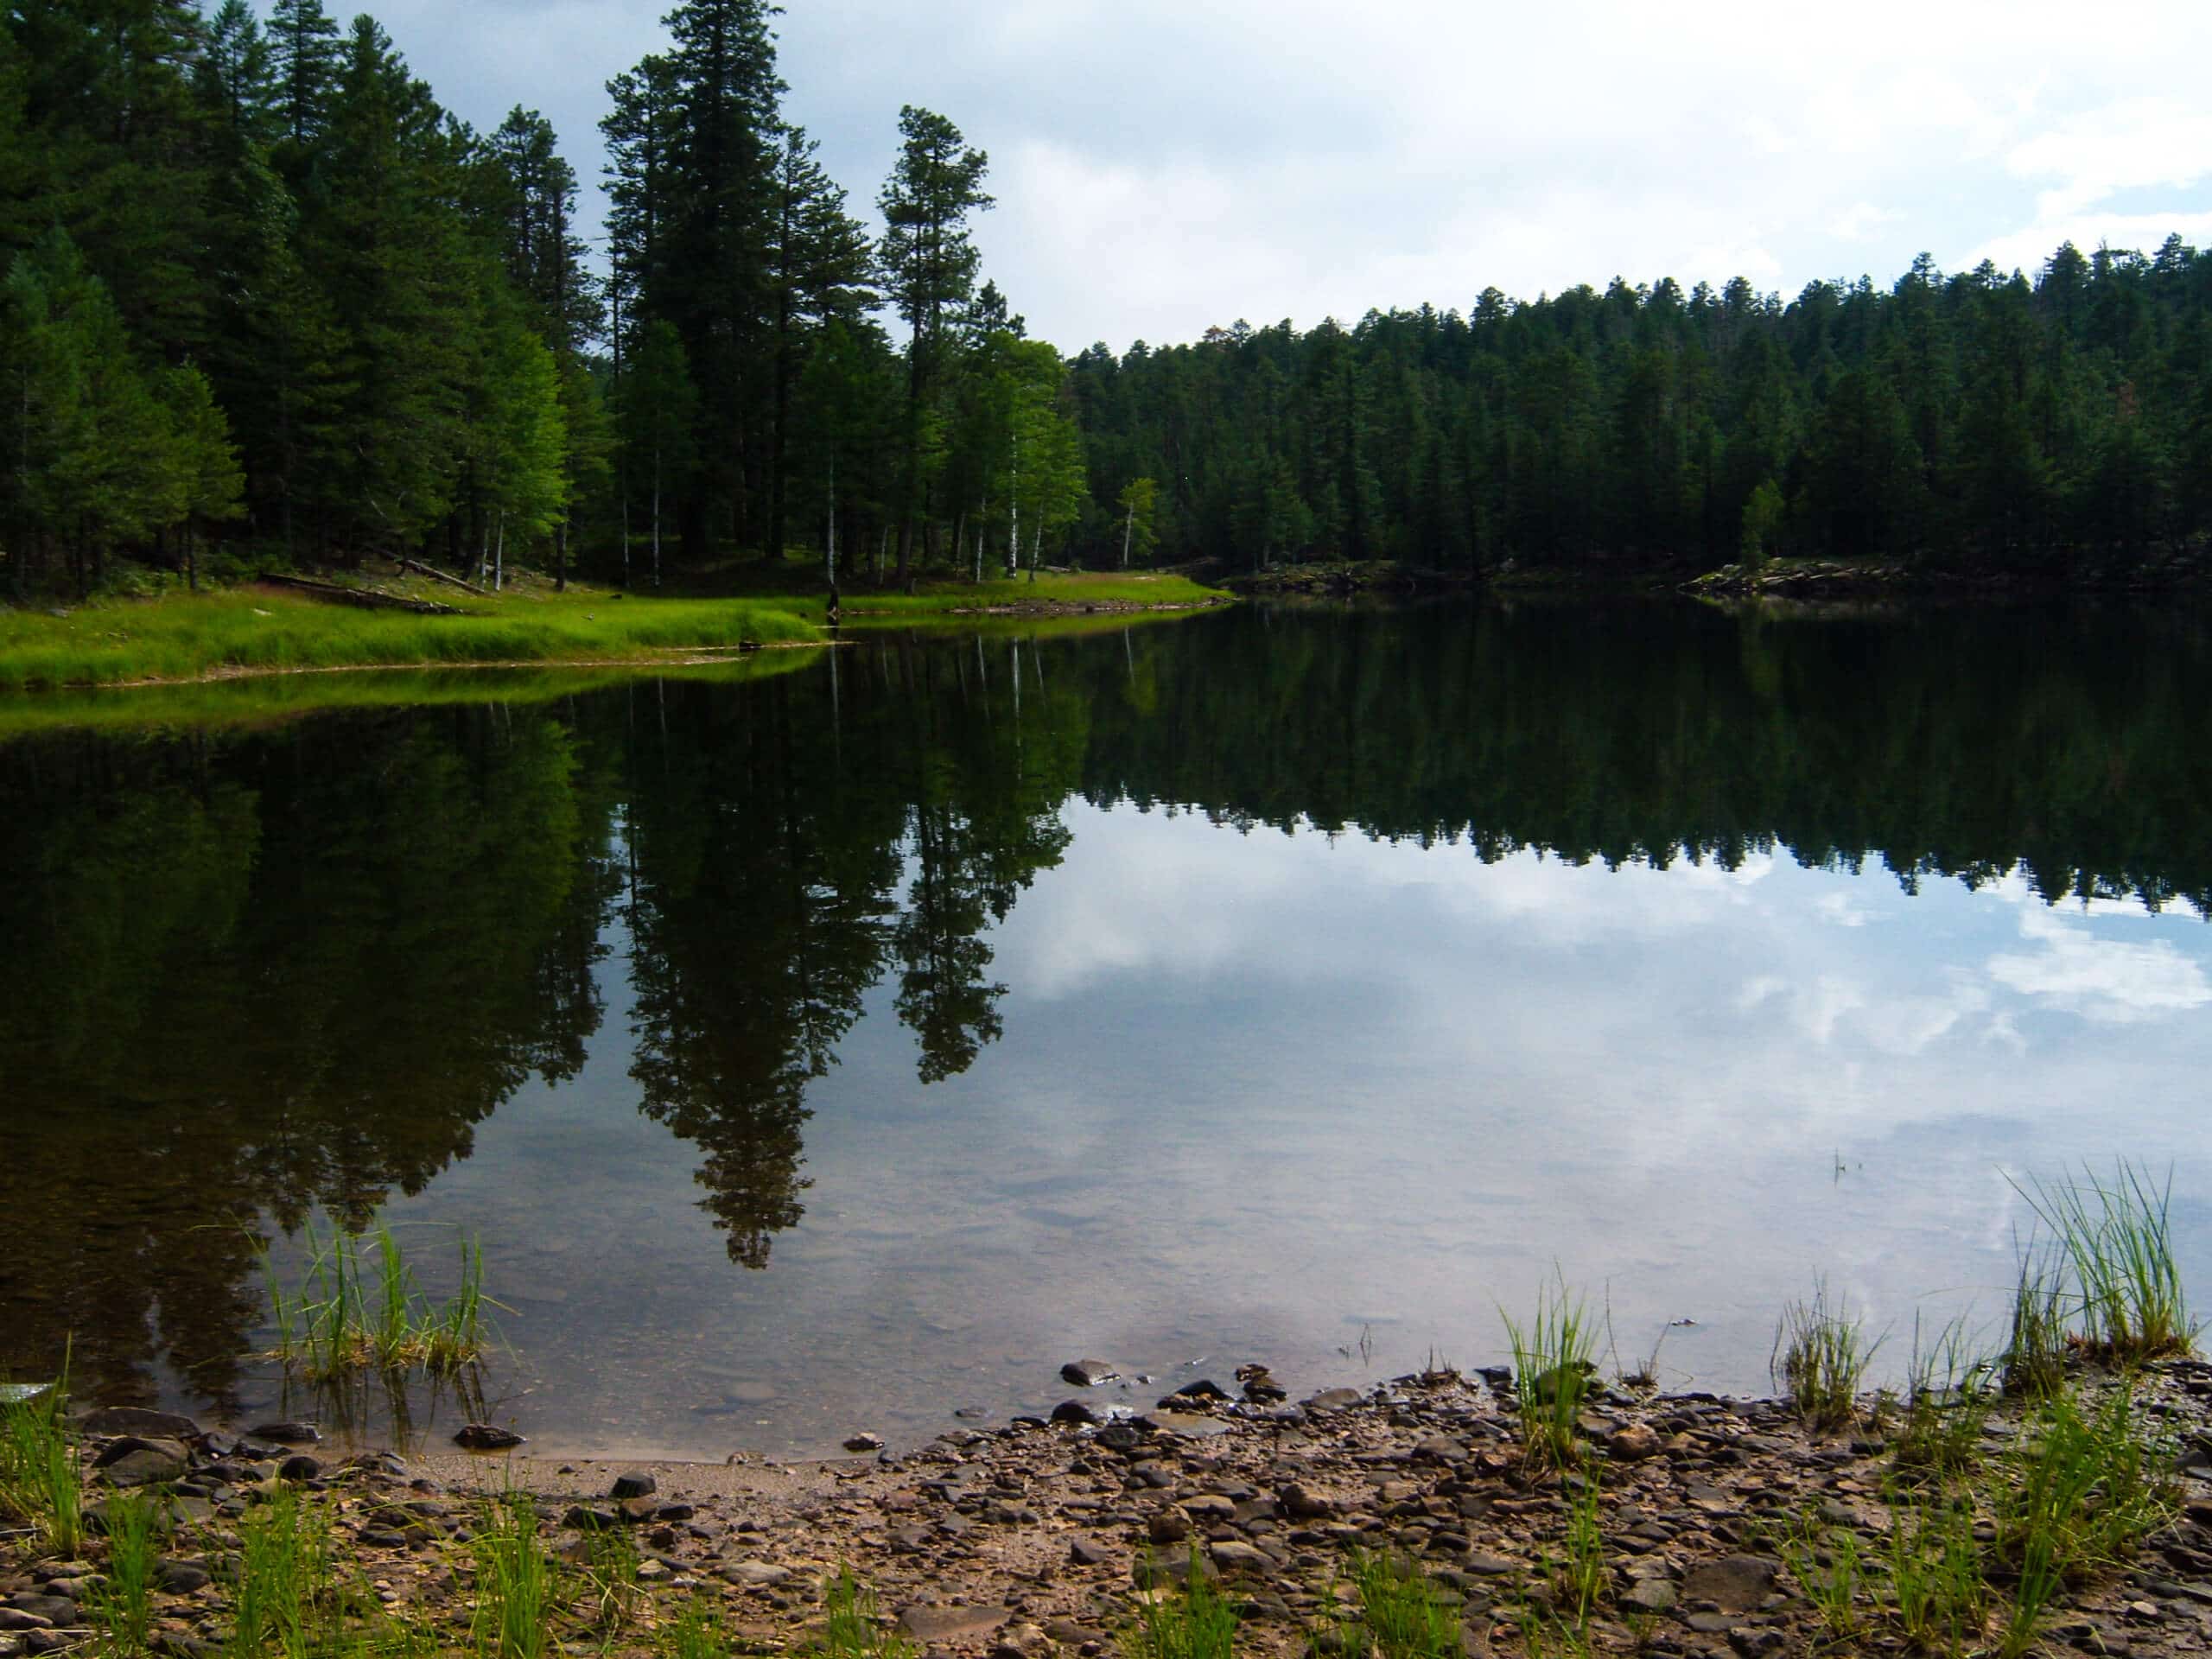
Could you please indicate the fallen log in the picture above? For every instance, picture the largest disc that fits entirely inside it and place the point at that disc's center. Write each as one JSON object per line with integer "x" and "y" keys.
{"x": 437, "y": 575}
{"x": 362, "y": 597}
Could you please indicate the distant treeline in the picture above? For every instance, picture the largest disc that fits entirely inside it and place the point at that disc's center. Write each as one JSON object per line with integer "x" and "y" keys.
{"x": 1979, "y": 418}
{"x": 259, "y": 290}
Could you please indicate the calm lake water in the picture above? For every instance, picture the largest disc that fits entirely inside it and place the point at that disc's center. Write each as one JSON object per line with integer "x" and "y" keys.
{"x": 837, "y": 1049}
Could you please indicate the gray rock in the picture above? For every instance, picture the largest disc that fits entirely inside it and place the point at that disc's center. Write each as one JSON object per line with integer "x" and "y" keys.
{"x": 1332, "y": 1399}
{"x": 146, "y": 1467}
{"x": 942, "y": 1625}
{"x": 634, "y": 1483}
{"x": 115, "y": 1451}
{"x": 1302, "y": 1504}
{"x": 1074, "y": 1411}
{"x": 1235, "y": 1557}
{"x": 136, "y": 1420}
{"x": 858, "y": 1443}
{"x": 1168, "y": 1527}
{"x": 1088, "y": 1373}
{"x": 1086, "y": 1552}
{"x": 22, "y": 1618}
{"x": 1650, "y": 1596}
{"x": 1162, "y": 1571}
{"x": 758, "y": 1575}
{"x": 48, "y": 1610}
{"x": 1735, "y": 1584}
{"x": 299, "y": 1466}
{"x": 180, "y": 1578}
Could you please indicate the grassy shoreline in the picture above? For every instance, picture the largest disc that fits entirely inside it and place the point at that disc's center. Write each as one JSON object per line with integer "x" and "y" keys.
{"x": 181, "y": 638}
{"x": 191, "y": 638}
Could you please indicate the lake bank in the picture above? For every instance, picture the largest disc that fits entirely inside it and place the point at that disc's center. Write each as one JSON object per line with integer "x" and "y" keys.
{"x": 1899, "y": 580}
{"x": 1688, "y": 1524}
{"x": 263, "y": 629}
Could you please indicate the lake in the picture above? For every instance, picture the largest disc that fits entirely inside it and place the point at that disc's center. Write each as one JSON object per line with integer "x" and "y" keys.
{"x": 838, "y": 1048}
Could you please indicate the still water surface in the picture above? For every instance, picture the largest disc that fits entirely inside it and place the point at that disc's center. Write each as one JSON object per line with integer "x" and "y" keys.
{"x": 837, "y": 1049}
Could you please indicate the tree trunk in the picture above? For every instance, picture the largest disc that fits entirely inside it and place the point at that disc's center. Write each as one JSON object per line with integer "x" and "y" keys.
{"x": 656, "y": 516}
{"x": 1129, "y": 529}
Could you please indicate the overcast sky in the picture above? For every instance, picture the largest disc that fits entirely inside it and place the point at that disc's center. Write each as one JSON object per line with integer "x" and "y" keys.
{"x": 1162, "y": 165}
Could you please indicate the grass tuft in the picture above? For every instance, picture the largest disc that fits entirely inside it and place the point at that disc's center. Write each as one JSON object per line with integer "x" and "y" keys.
{"x": 2035, "y": 1352}
{"x": 2117, "y": 1244}
{"x": 1399, "y": 1614}
{"x": 1192, "y": 1621}
{"x": 1552, "y": 1372}
{"x": 359, "y": 1308}
{"x": 852, "y": 1627}
{"x": 517, "y": 1588}
{"x": 125, "y": 1602}
{"x": 1820, "y": 1358}
{"x": 1947, "y": 1402}
{"x": 40, "y": 1486}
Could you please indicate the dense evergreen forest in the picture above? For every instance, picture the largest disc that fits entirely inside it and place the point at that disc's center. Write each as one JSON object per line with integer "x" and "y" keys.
{"x": 261, "y": 296}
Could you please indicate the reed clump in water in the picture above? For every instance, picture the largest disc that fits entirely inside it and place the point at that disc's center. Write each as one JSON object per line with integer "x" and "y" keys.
{"x": 359, "y": 1308}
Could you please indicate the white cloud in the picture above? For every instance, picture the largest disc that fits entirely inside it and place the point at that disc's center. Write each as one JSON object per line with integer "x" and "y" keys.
{"x": 2111, "y": 980}
{"x": 1161, "y": 167}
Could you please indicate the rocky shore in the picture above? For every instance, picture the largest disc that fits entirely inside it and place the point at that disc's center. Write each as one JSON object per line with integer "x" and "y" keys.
{"x": 1044, "y": 1535}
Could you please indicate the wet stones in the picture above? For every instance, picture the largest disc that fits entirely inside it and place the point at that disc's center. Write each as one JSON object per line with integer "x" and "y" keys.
{"x": 1089, "y": 1373}
{"x": 864, "y": 1442}
{"x": 1074, "y": 1411}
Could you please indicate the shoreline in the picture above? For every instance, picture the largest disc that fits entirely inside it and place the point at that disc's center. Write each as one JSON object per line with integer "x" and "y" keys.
{"x": 1037, "y": 1536}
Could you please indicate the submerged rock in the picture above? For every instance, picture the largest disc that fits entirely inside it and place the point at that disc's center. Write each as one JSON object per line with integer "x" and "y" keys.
{"x": 486, "y": 1437}
{"x": 1088, "y": 1373}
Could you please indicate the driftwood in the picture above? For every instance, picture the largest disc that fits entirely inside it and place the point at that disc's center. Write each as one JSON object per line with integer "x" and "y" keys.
{"x": 367, "y": 600}
{"x": 437, "y": 575}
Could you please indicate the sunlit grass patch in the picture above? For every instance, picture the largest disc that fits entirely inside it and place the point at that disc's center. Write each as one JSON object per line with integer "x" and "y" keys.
{"x": 190, "y": 637}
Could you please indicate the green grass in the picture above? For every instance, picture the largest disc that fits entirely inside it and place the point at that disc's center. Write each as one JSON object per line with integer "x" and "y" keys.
{"x": 1820, "y": 1359}
{"x": 1579, "y": 1575}
{"x": 518, "y": 1589}
{"x": 1552, "y": 1372}
{"x": 852, "y": 1628}
{"x": 696, "y": 1633}
{"x": 287, "y": 1580}
{"x": 358, "y": 1308}
{"x": 1935, "y": 1592}
{"x": 190, "y": 637}
{"x": 1192, "y": 1621}
{"x": 2117, "y": 1245}
{"x": 2084, "y": 1491}
{"x": 1830, "y": 1566}
{"x": 1400, "y": 1615}
{"x": 1071, "y": 592}
{"x": 1947, "y": 1398}
{"x": 2036, "y": 1347}
{"x": 124, "y": 1605}
{"x": 38, "y": 1483}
